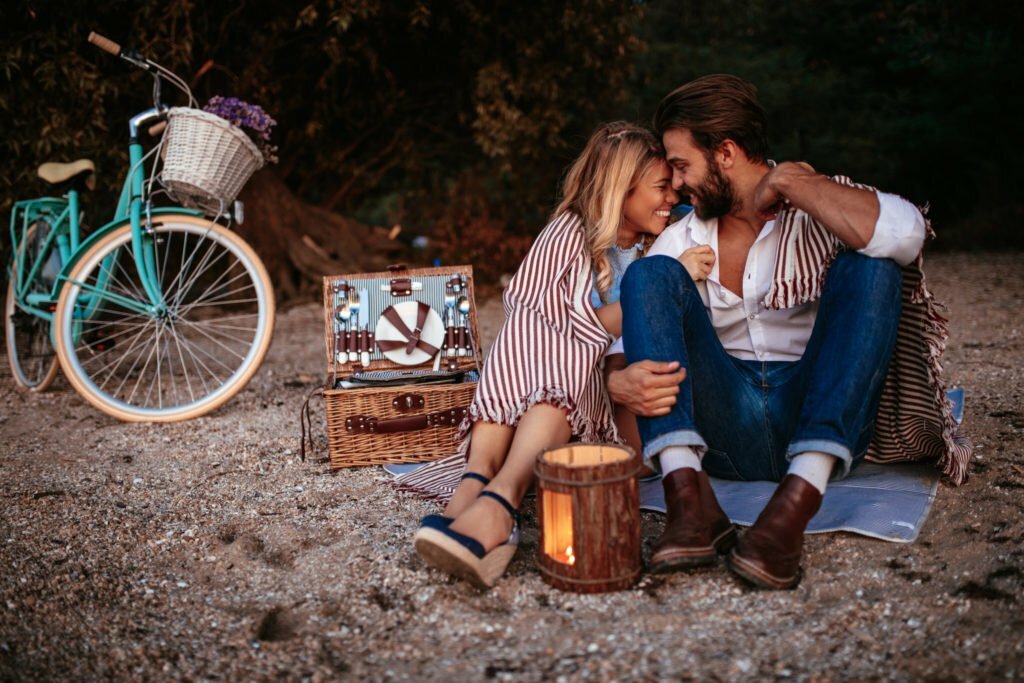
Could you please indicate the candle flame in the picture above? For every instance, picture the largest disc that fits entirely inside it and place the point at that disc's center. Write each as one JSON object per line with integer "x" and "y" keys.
{"x": 570, "y": 558}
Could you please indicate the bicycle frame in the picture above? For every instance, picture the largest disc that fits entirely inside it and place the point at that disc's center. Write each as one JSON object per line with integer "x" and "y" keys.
{"x": 57, "y": 212}
{"x": 63, "y": 216}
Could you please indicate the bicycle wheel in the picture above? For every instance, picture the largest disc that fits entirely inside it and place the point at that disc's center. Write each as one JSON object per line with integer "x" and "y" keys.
{"x": 29, "y": 350}
{"x": 177, "y": 363}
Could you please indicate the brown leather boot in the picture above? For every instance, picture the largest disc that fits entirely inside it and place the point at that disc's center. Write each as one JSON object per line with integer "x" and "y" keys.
{"x": 768, "y": 555}
{"x": 696, "y": 528}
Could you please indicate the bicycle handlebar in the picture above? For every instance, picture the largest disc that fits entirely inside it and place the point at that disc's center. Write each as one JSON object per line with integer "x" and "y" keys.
{"x": 105, "y": 44}
{"x": 133, "y": 57}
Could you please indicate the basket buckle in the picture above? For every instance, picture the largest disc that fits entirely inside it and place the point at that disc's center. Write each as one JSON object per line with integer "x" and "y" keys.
{"x": 361, "y": 424}
{"x": 406, "y": 403}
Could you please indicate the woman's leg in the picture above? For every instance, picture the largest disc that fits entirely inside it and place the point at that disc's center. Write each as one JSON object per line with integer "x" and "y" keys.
{"x": 488, "y": 444}
{"x": 543, "y": 426}
{"x": 625, "y": 422}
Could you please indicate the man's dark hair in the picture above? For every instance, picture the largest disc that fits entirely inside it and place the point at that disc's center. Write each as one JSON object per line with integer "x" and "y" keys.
{"x": 714, "y": 108}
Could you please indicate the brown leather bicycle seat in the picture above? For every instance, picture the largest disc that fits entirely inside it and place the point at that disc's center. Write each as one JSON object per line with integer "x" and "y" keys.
{"x": 56, "y": 173}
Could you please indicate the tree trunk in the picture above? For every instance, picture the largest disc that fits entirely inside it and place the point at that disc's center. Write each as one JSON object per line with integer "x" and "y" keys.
{"x": 301, "y": 243}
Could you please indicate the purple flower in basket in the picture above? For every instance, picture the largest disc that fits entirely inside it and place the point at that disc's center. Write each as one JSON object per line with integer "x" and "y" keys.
{"x": 250, "y": 118}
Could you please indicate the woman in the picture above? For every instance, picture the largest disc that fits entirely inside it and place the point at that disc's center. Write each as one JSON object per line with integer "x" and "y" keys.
{"x": 542, "y": 384}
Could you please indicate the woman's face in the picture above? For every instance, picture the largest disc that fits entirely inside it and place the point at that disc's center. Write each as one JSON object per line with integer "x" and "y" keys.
{"x": 647, "y": 205}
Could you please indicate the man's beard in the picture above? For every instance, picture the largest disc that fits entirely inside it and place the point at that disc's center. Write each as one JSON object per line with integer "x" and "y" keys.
{"x": 714, "y": 194}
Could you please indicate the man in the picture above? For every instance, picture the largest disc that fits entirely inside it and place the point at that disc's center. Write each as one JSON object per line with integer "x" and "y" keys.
{"x": 773, "y": 368}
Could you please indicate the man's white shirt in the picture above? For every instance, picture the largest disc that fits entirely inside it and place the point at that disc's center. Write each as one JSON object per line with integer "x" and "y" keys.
{"x": 747, "y": 329}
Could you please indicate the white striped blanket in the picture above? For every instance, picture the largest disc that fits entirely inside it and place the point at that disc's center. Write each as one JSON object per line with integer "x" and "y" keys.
{"x": 915, "y": 419}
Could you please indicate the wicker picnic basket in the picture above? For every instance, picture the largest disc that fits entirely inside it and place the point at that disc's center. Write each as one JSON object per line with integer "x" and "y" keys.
{"x": 206, "y": 160}
{"x": 403, "y": 423}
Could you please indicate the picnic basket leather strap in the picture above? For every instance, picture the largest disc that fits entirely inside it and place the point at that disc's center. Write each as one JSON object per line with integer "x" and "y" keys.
{"x": 368, "y": 424}
{"x": 412, "y": 337}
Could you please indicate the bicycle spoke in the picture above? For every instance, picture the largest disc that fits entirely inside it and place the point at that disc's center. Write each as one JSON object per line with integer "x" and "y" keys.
{"x": 119, "y": 360}
{"x": 216, "y": 283}
{"x": 216, "y": 324}
{"x": 112, "y": 340}
{"x": 190, "y": 345}
{"x": 184, "y": 285}
{"x": 234, "y": 353}
{"x": 130, "y": 290}
{"x": 221, "y": 300}
{"x": 142, "y": 373}
{"x": 184, "y": 369}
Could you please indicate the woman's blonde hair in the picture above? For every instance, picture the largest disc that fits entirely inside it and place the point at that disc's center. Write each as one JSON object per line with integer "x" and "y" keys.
{"x": 598, "y": 182}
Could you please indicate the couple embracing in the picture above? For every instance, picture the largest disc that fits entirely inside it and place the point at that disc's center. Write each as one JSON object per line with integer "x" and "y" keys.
{"x": 754, "y": 339}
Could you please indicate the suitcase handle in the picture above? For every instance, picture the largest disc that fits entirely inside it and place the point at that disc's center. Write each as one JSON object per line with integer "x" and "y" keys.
{"x": 368, "y": 424}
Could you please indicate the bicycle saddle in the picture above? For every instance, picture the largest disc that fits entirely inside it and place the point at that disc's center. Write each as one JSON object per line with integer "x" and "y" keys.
{"x": 56, "y": 173}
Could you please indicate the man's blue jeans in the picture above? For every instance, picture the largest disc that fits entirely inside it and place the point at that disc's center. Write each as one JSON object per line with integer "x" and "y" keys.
{"x": 753, "y": 416}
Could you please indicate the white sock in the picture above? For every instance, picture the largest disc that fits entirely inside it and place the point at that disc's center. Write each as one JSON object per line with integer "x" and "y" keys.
{"x": 814, "y": 468}
{"x": 677, "y": 457}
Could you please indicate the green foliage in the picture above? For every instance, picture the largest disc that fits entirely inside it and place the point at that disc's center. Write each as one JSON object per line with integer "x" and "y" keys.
{"x": 373, "y": 99}
{"x": 916, "y": 97}
{"x": 457, "y": 118}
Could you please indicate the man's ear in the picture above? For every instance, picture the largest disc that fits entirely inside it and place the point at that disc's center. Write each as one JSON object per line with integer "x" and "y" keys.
{"x": 728, "y": 153}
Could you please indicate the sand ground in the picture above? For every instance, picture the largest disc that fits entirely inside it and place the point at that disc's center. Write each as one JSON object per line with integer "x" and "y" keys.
{"x": 208, "y": 550}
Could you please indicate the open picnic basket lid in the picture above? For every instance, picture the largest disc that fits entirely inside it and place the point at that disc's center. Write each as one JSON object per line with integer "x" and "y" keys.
{"x": 405, "y": 291}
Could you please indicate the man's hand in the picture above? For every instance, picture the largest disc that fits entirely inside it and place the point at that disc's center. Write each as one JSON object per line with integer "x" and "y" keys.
{"x": 646, "y": 387}
{"x": 768, "y": 197}
{"x": 849, "y": 213}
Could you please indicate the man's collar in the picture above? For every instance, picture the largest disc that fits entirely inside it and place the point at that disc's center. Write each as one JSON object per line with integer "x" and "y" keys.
{"x": 700, "y": 229}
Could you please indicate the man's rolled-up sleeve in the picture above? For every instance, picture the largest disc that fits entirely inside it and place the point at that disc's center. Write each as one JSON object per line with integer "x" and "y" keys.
{"x": 899, "y": 232}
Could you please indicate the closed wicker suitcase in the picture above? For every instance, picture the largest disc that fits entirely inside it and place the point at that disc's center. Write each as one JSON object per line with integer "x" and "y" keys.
{"x": 391, "y": 411}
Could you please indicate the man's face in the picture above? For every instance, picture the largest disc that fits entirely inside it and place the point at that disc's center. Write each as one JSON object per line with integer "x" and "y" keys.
{"x": 698, "y": 175}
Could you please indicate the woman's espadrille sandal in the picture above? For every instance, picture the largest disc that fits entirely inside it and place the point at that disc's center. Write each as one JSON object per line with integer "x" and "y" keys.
{"x": 463, "y": 556}
{"x": 445, "y": 519}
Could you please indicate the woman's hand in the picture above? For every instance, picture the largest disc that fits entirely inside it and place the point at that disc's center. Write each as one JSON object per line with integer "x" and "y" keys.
{"x": 698, "y": 261}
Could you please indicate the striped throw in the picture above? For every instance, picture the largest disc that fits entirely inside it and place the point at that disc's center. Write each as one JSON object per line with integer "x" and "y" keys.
{"x": 915, "y": 417}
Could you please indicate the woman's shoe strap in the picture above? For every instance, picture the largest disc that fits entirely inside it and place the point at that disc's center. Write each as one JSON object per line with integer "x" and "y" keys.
{"x": 504, "y": 503}
{"x": 478, "y": 477}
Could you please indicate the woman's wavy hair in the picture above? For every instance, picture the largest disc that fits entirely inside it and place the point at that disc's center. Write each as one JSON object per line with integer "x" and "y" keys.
{"x": 598, "y": 182}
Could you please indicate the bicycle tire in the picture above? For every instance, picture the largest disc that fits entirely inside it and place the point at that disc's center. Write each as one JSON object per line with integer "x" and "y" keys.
{"x": 107, "y": 346}
{"x": 30, "y": 352}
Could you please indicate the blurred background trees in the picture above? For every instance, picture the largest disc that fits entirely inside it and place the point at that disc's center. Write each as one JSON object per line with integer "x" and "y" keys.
{"x": 454, "y": 120}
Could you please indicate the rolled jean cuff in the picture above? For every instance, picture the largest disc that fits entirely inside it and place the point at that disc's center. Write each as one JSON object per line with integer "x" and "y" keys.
{"x": 680, "y": 437}
{"x": 833, "y": 448}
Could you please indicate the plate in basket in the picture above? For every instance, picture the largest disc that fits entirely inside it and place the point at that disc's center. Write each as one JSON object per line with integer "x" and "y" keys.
{"x": 432, "y": 333}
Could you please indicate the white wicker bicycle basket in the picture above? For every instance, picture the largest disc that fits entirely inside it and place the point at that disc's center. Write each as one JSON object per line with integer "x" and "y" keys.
{"x": 206, "y": 160}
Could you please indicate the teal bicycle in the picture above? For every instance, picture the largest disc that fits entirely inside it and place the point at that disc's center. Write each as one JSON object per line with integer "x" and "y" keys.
{"x": 162, "y": 314}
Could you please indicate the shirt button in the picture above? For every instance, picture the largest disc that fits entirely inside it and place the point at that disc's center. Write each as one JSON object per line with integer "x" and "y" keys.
{"x": 760, "y": 354}
{"x": 752, "y": 316}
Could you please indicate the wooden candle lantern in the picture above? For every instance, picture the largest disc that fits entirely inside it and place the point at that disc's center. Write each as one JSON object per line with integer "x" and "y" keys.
{"x": 588, "y": 503}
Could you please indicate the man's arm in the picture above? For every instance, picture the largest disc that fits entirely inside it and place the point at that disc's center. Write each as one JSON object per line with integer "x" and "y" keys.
{"x": 646, "y": 387}
{"x": 850, "y": 213}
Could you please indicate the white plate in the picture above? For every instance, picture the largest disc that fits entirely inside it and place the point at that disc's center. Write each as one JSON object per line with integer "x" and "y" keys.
{"x": 432, "y": 333}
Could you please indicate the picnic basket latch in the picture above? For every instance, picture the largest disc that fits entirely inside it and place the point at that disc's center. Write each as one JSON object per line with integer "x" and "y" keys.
{"x": 406, "y": 403}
